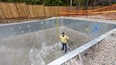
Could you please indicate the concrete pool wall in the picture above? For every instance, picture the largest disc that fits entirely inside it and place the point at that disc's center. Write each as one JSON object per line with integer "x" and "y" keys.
{"x": 89, "y": 27}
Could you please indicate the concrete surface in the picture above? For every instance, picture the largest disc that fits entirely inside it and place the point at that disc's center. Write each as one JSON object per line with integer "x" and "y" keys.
{"x": 37, "y": 48}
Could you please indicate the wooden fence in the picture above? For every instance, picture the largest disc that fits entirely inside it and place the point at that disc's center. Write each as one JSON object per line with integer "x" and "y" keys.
{"x": 21, "y": 10}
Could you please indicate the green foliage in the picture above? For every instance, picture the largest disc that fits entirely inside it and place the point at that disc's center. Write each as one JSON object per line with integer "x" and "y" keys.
{"x": 54, "y": 2}
{"x": 114, "y": 2}
{"x": 76, "y": 2}
{"x": 40, "y": 2}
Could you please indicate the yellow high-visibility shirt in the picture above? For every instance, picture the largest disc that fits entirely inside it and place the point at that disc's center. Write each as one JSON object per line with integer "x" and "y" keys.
{"x": 64, "y": 39}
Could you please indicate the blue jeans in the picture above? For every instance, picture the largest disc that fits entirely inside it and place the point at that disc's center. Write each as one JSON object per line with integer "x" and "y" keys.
{"x": 64, "y": 46}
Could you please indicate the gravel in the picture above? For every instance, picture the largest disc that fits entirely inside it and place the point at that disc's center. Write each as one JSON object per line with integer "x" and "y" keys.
{"x": 103, "y": 53}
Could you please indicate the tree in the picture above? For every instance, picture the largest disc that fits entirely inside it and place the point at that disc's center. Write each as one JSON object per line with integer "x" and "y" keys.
{"x": 61, "y": 2}
{"x": 77, "y": 2}
{"x": 54, "y": 2}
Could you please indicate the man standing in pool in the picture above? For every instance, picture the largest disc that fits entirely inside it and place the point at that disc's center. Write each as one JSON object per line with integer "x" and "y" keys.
{"x": 64, "y": 39}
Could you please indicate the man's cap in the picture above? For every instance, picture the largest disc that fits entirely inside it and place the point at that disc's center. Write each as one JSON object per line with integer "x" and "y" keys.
{"x": 63, "y": 33}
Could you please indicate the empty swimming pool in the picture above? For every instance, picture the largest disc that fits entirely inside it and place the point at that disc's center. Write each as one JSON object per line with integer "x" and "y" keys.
{"x": 36, "y": 42}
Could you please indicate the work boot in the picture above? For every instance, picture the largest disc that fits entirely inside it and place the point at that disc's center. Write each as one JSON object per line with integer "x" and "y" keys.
{"x": 65, "y": 51}
{"x": 62, "y": 49}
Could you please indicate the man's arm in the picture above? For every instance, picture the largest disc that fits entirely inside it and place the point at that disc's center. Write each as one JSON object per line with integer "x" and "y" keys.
{"x": 58, "y": 37}
{"x": 67, "y": 38}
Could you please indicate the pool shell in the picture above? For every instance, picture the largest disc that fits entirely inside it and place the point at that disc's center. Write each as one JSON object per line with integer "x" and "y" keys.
{"x": 86, "y": 28}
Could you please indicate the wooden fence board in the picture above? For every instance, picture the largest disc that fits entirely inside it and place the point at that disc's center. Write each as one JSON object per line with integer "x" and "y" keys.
{"x": 21, "y": 10}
